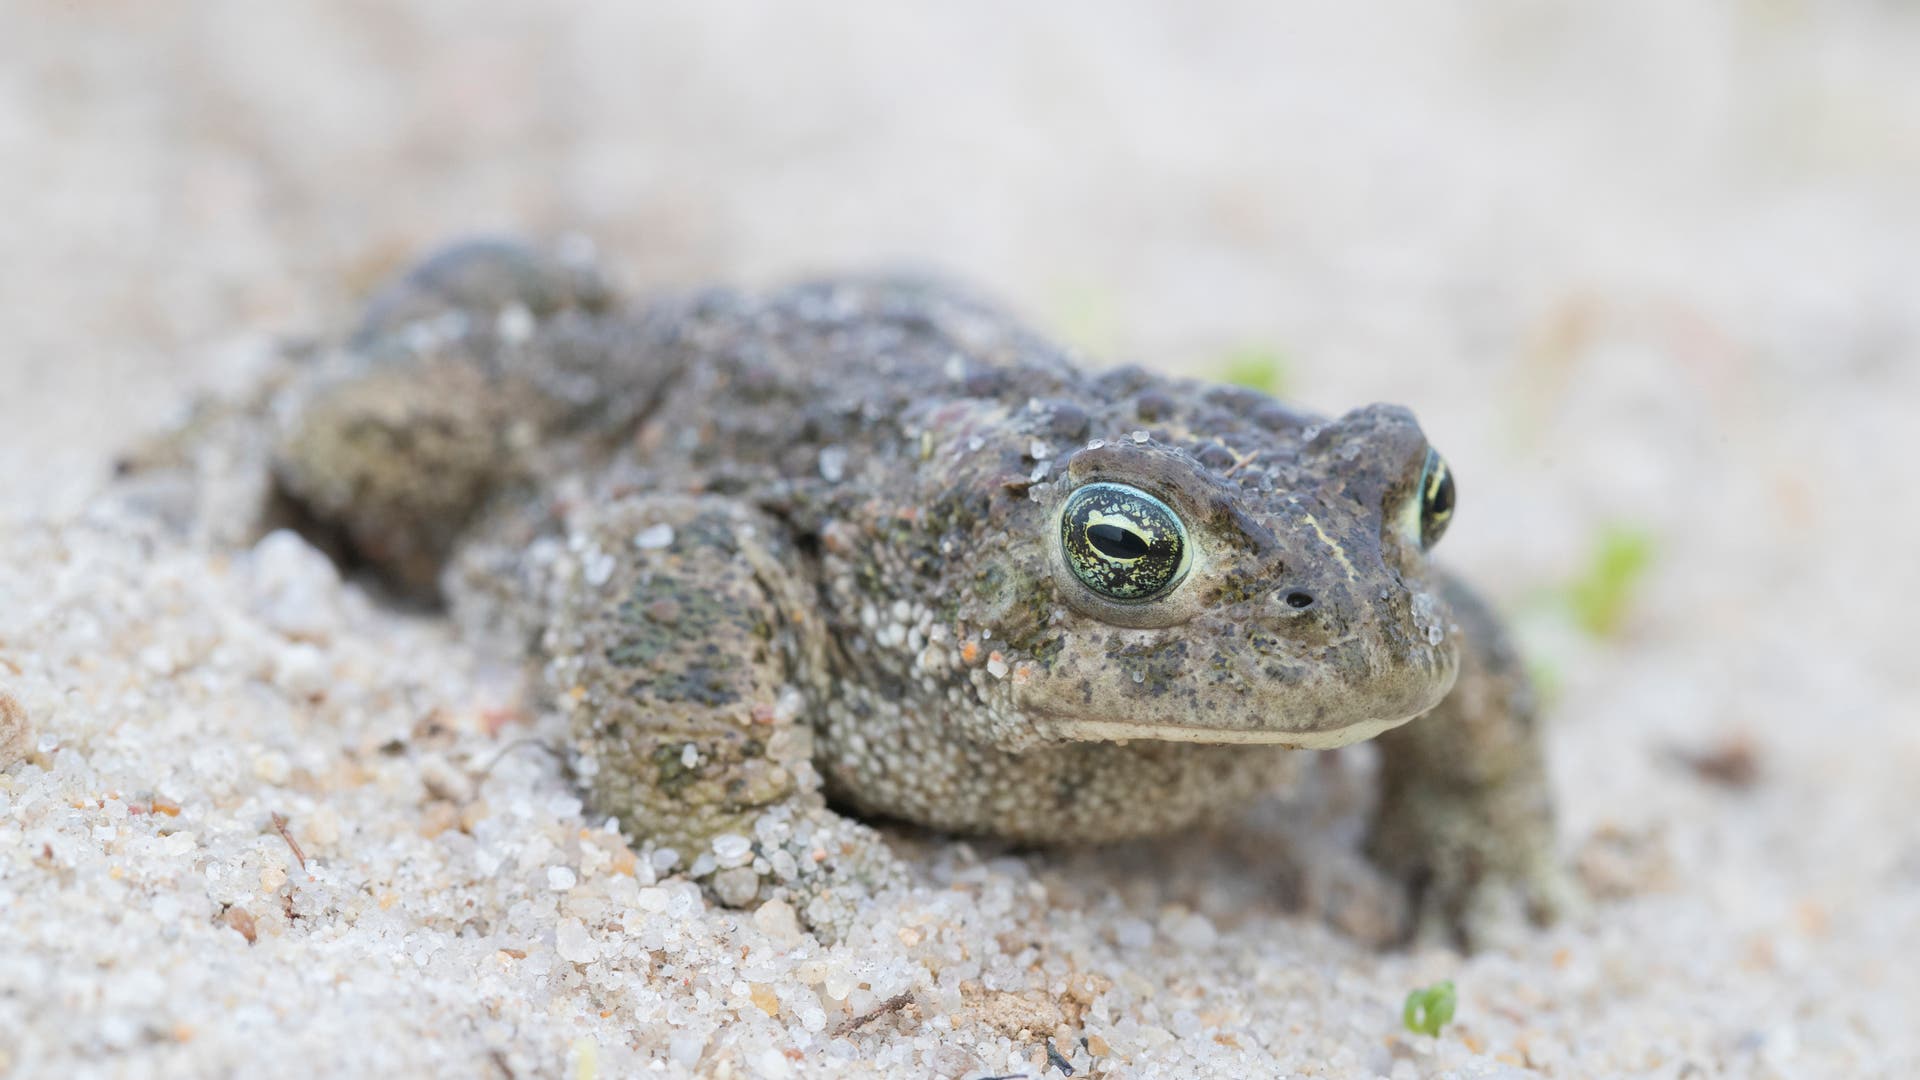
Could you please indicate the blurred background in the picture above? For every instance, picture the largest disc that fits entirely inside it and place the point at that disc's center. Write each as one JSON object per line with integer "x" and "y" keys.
{"x": 1649, "y": 273}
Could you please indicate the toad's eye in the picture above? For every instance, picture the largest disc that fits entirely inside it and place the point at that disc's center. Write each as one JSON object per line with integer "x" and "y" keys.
{"x": 1123, "y": 543}
{"x": 1436, "y": 499}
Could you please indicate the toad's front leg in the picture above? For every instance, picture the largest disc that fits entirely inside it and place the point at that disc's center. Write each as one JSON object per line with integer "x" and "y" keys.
{"x": 1465, "y": 817}
{"x": 682, "y": 647}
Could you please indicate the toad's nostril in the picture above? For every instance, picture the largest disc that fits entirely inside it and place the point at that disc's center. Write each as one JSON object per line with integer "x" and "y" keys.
{"x": 1300, "y": 601}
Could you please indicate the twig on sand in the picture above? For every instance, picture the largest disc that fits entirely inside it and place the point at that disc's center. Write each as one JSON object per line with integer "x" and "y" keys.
{"x": 280, "y": 826}
{"x": 854, "y": 1023}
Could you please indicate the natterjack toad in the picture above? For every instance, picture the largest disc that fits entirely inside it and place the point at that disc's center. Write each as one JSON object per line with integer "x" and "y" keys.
{"x": 871, "y": 541}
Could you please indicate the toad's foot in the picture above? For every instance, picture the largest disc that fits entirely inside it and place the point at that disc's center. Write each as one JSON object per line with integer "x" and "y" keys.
{"x": 1465, "y": 817}
{"x": 826, "y": 866}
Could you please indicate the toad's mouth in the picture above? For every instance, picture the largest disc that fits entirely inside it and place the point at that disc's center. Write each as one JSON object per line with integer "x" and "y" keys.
{"x": 1085, "y": 730}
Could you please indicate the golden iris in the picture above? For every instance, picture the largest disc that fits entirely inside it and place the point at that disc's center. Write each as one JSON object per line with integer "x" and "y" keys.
{"x": 1123, "y": 543}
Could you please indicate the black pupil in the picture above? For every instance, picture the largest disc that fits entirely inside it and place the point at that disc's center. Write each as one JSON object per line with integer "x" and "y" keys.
{"x": 1442, "y": 502}
{"x": 1117, "y": 543}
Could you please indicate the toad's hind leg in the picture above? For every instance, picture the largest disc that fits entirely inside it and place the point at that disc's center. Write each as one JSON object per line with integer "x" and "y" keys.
{"x": 461, "y": 371}
{"x": 1465, "y": 815}
{"x": 681, "y": 648}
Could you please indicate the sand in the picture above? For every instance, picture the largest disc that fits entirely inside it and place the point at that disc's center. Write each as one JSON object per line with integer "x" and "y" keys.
{"x": 1644, "y": 272}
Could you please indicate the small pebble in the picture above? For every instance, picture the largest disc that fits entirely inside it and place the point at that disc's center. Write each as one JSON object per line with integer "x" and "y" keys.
{"x": 514, "y": 324}
{"x": 293, "y": 587}
{"x": 778, "y": 920}
{"x": 685, "y": 1048}
{"x": 833, "y": 464}
{"x": 654, "y": 537}
{"x": 1192, "y": 932}
{"x": 272, "y": 767}
{"x": 732, "y": 850}
{"x": 736, "y": 887}
{"x": 300, "y": 670}
{"x": 242, "y": 923}
{"x": 1133, "y": 933}
{"x": 572, "y": 941}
